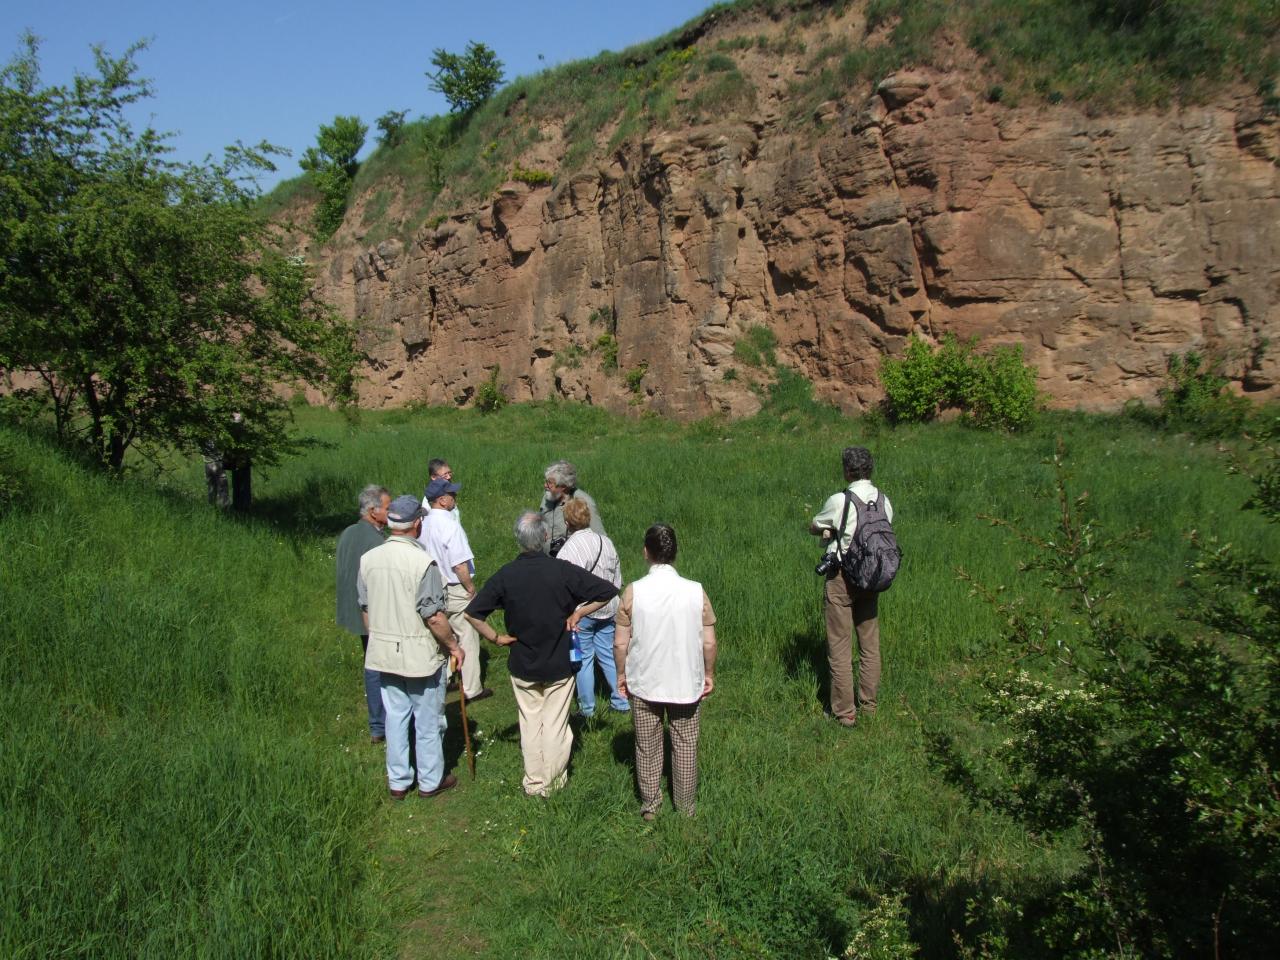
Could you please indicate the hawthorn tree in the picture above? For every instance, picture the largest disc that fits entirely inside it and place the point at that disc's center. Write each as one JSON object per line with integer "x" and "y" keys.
{"x": 466, "y": 79}
{"x": 146, "y": 297}
{"x": 332, "y": 165}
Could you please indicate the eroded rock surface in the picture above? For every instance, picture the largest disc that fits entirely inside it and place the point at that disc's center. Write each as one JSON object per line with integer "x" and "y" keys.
{"x": 1100, "y": 244}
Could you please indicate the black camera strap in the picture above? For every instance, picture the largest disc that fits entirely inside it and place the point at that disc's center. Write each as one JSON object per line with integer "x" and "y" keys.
{"x": 844, "y": 518}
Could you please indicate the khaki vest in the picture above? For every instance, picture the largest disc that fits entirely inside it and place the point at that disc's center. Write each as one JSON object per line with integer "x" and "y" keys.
{"x": 399, "y": 641}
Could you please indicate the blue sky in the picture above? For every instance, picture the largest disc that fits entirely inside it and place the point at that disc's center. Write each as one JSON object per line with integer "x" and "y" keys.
{"x": 275, "y": 70}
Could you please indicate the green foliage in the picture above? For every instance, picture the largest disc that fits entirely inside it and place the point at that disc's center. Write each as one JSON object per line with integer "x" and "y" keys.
{"x": 607, "y": 344}
{"x": 730, "y": 374}
{"x": 718, "y": 62}
{"x": 571, "y": 356}
{"x": 12, "y": 485}
{"x": 1100, "y": 52}
{"x": 993, "y": 390}
{"x": 756, "y": 348}
{"x": 884, "y": 933}
{"x": 1157, "y": 749}
{"x": 634, "y": 376}
{"x": 534, "y": 178}
{"x": 145, "y": 295}
{"x": 491, "y": 398}
{"x": 467, "y": 79}
{"x": 331, "y": 164}
{"x": 337, "y": 145}
{"x": 391, "y": 128}
{"x": 1195, "y": 398}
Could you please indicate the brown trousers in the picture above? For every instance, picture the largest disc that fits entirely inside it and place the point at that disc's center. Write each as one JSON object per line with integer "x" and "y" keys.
{"x": 847, "y": 611}
{"x": 682, "y": 719}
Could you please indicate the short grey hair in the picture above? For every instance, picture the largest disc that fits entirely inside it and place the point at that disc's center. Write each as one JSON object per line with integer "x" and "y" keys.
{"x": 370, "y": 497}
{"x": 401, "y": 527}
{"x": 531, "y": 532}
{"x": 563, "y": 474}
{"x": 857, "y": 463}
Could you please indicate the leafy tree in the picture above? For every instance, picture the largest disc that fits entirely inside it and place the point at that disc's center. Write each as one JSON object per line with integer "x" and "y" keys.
{"x": 391, "y": 127}
{"x": 332, "y": 166}
{"x": 145, "y": 296}
{"x": 466, "y": 80}
{"x": 336, "y": 146}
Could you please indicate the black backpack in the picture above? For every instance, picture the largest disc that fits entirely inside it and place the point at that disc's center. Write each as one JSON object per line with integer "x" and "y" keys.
{"x": 873, "y": 557}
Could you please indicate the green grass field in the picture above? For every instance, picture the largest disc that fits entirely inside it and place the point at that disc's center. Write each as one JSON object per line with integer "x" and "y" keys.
{"x": 185, "y": 767}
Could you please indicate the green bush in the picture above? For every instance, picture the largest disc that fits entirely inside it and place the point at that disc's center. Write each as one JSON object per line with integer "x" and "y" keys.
{"x": 607, "y": 344}
{"x": 1195, "y": 398}
{"x": 1155, "y": 751}
{"x": 534, "y": 178}
{"x": 634, "y": 376}
{"x": 756, "y": 348}
{"x": 992, "y": 390}
{"x": 491, "y": 398}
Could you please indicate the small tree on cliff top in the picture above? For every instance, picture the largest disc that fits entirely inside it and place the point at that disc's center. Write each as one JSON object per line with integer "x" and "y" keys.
{"x": 466, "y": 80}
{"x": 145, "y": 295}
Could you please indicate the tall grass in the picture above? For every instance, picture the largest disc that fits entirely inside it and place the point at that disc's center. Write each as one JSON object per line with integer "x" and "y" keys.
{"x": 178, "y": 706}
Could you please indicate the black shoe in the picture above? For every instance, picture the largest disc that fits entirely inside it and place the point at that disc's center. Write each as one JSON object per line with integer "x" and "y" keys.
{"x": 448, "y": 782}
{"x": 484, "y": 694}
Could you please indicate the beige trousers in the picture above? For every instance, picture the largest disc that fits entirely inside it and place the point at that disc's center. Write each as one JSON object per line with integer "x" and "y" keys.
{"x": 849, "y": 612}
{"x": 455, "y": 601}
{"x": 545, "y": 737}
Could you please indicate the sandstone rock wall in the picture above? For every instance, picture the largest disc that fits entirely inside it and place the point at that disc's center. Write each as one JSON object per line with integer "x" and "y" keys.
{"x": 1100, "y": 244}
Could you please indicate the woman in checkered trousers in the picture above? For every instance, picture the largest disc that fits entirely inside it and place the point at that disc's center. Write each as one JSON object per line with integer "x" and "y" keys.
{"x": 665, "y": 650}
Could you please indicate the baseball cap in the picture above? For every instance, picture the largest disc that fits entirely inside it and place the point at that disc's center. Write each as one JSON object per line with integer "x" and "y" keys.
{"x": 404, "y": 509}
{"x": 439, "y": 487}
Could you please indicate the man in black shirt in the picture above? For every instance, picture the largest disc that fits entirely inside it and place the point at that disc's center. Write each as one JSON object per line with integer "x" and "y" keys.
{"x": 543, "y": 599}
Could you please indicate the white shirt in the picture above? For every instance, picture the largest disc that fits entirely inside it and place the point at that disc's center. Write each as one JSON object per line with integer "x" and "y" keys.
{"x": 829, "y": 515}
{"x": 447, "y": 542}
{"x": 582, "y": 550}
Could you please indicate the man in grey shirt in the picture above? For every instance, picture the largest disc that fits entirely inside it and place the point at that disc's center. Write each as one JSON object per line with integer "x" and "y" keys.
{"x": 355, "y": 541}
{"x": 560, "y": 483}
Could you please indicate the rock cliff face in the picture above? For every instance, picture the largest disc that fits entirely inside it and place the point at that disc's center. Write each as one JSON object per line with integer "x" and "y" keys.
{"x": 1100, "y": 244}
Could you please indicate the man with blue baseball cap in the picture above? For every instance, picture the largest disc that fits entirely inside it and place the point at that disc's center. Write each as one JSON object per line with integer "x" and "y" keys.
{"x": 401, "y": 595}
{"x": 447, "y": 543}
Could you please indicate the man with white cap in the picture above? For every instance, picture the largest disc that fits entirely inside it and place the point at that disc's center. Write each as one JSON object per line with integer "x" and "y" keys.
{"x": 401, "y": 594}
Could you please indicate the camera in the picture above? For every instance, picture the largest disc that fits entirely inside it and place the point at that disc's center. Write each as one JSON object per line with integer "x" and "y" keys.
{"x": 828, "y": 563}
{"x": 557, "y": 543}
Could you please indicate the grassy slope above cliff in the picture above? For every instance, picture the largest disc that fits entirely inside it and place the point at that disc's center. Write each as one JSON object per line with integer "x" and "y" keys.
{"x": 1102, "y": 54}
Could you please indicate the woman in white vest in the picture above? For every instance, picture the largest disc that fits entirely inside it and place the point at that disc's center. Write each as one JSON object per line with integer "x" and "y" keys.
{"x": 665, "y": 651}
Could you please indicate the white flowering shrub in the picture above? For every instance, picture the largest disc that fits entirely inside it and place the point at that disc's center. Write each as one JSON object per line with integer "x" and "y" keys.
{"x": 1157, "y": 753}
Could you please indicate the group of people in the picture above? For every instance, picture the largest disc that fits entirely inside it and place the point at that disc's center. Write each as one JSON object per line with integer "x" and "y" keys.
{"x": 412, "y": 599}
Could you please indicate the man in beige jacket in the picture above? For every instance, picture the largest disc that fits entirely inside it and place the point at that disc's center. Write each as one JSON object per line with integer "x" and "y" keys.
{"x": 401, "y": 595}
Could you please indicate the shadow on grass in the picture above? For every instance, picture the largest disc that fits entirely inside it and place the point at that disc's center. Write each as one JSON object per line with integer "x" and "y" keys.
{"x": 804, "y": 657}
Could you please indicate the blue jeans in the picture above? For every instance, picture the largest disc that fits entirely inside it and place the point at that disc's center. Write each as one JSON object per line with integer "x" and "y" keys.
{"x": 373, "y": 697}
{"x": 597, "y": 646}
{"x": 423, "y": 699}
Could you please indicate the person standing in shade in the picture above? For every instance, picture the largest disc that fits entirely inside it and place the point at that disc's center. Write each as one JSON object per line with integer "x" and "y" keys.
{"x": 354, "y": 542}
{"x": 447, "y": 543}
{"x": 560, "y": 485}
{"x": 401, "y": 593}
{"x": 850, "y": 611}
{"x": 665, "y": 649}
{"x": 595, "y": 553}
{"x": 543, "y": 599}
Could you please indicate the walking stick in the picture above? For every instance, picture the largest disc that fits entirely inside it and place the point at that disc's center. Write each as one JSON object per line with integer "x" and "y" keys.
{"x": 466, "y": 734}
